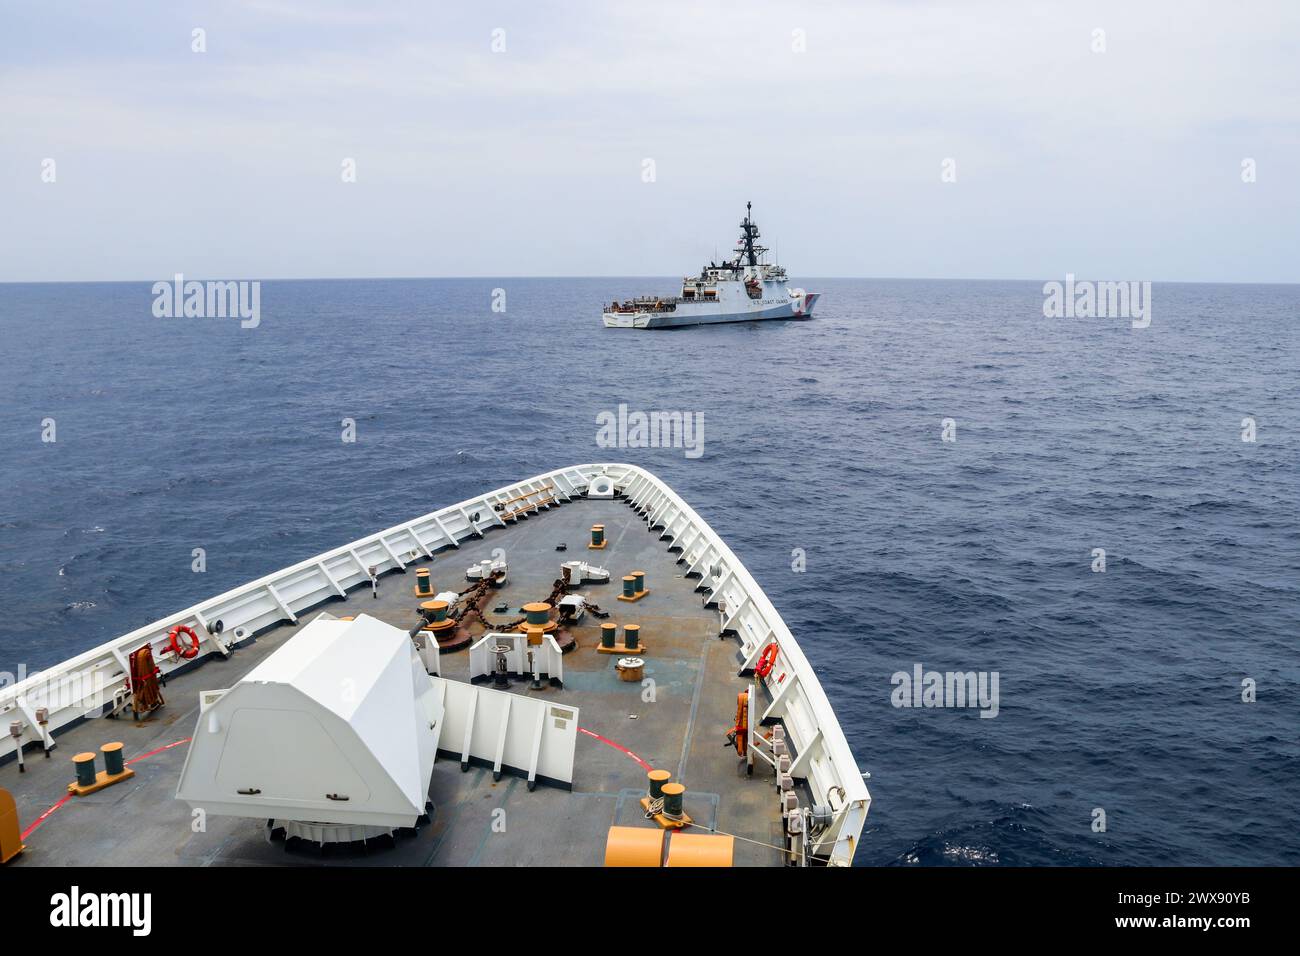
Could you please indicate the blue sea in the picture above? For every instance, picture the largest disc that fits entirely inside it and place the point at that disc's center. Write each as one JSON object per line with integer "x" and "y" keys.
{"x": 1119, "y": 690}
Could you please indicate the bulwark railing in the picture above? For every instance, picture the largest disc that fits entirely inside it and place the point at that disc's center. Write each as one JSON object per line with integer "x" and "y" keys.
{"x": 96, "y": 682}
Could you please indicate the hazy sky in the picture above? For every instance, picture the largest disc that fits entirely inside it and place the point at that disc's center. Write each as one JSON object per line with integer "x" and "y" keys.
{"x": 1125, "y": 164}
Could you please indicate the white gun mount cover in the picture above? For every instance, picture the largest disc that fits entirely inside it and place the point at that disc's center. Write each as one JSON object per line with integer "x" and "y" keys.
{"x": 340, "y": 725}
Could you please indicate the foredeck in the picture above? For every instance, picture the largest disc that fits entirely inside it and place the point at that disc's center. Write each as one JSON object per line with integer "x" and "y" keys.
{"x": 694, "y": 672}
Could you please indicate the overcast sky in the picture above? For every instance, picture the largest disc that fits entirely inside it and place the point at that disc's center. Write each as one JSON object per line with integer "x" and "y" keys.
{"x": 1125, "y": 164}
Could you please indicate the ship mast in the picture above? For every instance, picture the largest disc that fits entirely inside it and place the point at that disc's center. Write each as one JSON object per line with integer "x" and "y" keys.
{"x": 747, "y": 247}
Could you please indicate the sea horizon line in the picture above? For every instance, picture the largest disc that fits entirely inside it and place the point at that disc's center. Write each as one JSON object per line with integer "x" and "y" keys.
{"x": 667, "y": 277}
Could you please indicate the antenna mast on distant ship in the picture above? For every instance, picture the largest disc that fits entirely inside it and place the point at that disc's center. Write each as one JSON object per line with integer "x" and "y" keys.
{"x": 747, "y": 247}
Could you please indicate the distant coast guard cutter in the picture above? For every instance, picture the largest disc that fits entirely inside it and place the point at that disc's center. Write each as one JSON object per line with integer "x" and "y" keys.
{"x": 741, "y": 289}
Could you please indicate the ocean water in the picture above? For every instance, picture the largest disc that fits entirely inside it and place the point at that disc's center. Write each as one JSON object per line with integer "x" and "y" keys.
{"x": 1118, "y": 690}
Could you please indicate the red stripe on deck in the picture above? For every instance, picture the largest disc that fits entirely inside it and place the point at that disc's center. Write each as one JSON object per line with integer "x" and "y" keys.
{"x": 159, "y": 750}
{"x": 42, "y": 818}
{"x": 606, "y": 740}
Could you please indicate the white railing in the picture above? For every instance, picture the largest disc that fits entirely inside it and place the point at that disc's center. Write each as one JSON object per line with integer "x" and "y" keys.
{"x": 95, "y": 682}
{"x": 821, "y": 754}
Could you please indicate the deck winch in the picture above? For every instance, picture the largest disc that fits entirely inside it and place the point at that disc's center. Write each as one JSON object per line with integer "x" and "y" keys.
{"x": 538, "y": 614}
{"x": 567, "y": 609}
{"x": 454, "y": 617}
{"x": 544, "y": 615}
{"x": 436, "y": 615}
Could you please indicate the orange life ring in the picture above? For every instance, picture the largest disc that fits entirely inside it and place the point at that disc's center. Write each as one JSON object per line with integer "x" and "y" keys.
{"x": 174, "y": 636}
{"x": 766, "y": 660}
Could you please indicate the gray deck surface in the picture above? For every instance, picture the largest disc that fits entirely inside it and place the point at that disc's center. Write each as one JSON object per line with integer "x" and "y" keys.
{"x": 139, "y": 822}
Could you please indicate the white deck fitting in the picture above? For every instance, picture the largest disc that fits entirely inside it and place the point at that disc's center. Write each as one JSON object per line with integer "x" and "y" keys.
{"x": 529, "y": 735}
{"x": 580, "y": 572}
{"x": 548, "y": 659}
{"x": 337, "y": 726}
{"x": 426, "y": 646}
{"x": 485, "y": 569}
